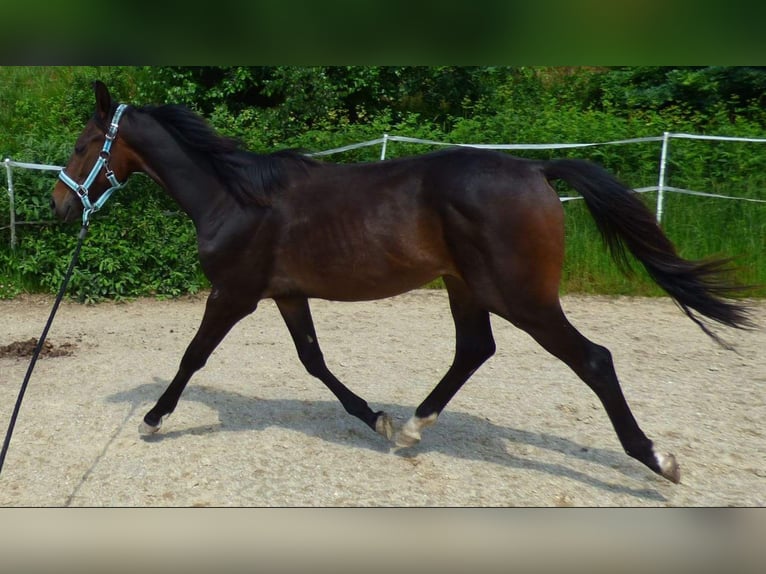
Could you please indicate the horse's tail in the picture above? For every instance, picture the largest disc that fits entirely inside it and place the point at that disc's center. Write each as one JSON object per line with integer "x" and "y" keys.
{"x": 624, "y": 221}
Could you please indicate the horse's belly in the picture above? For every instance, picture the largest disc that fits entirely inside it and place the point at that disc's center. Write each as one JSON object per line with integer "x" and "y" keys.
{"x": 354, "y": 288}
{"x": 358, "y": 278}
{"x": 360, "y": 255}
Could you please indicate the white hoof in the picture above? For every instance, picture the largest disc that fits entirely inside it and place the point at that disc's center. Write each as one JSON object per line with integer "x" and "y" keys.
{"x": 147, "y": 430}
{"x": 668, "y": 467}
{"x": 384, "y": 426}
{"x": 409, "y": 435}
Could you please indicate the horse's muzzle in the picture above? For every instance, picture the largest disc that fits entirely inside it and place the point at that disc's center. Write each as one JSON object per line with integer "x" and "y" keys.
{"x": 64, "y": 204}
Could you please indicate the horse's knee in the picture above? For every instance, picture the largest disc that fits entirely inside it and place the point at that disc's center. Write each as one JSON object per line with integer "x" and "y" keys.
{"x": 313, "y": 361}
{"x": 476, "y": 351}
{"x": 192, "y": 361}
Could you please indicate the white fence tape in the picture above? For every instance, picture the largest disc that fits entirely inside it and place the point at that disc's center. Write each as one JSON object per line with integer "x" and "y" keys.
{"x": 383, "y": 142}
{"x": 716, "y": 138}
{"x": 350, "y": 147}
{"x": 404, "y": 139}
{"x": 716, "y": 195}
{"x": 11, "y": 163}
{"x": 524, "y": 146}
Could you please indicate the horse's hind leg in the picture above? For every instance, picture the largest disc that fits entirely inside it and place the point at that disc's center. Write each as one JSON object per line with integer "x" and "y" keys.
{"x": 297, "y": 317}
{"x": 593, "y": 364}
{"x": 474, "y": 344}
{"x": 509, "y": 251}
{"x": 221, "y": 313}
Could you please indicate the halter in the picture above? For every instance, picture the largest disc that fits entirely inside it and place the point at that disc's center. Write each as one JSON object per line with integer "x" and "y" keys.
{"x": 81, "y": 189}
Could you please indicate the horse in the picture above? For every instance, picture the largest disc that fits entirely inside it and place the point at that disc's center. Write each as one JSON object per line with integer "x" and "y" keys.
{"x": 288, "y": 227}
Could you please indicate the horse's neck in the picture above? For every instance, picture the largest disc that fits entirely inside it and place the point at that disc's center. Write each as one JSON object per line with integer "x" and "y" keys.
{"x": 162, "y": 158}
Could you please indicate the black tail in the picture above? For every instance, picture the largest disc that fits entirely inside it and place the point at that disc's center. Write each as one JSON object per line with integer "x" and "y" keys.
{"x": 624, "y": 221}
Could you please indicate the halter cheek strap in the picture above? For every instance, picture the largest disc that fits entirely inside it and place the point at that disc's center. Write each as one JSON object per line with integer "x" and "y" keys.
{"x": 82, "y": 189}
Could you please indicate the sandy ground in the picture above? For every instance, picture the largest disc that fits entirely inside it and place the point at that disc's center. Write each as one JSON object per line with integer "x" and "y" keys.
{"x": 253, "y": 429}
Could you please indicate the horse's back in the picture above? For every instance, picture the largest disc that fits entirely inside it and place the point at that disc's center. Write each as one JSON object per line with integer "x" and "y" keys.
{"x": 373, "y": 230}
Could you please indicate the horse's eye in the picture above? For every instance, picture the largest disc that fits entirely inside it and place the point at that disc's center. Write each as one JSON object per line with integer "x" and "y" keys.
{"x": 79, "y": 149}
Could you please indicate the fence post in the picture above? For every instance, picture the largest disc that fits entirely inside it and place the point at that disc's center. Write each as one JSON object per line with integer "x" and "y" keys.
{"x": 383, "y": 149}
{"x": 661, "y": 182}
{"x": 11, "y": 202}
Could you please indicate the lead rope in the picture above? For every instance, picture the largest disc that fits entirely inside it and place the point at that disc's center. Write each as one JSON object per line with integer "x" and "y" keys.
{"x": 39, "y": 347}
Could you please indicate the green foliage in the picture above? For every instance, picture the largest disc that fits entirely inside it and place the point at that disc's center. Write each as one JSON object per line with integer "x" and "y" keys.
{"x": 135, "y": 247}
{"x": 140, "y": 245}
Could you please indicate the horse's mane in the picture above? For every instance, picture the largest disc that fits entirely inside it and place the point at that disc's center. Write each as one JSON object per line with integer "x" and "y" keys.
{"x": 247, "y": 176}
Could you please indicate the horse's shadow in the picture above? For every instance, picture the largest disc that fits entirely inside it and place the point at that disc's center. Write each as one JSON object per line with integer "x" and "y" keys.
{"x": 454, "y": 435}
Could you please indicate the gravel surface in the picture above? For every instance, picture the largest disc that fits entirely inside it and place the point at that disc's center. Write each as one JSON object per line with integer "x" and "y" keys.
{"x": 253, "y": 429}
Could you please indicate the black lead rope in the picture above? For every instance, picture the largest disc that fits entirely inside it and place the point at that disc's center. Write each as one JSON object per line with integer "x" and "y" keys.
{"x": 39, "y": 348}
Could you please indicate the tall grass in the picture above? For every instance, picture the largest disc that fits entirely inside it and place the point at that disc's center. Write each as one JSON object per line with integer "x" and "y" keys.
{"x": 700, "y": 227}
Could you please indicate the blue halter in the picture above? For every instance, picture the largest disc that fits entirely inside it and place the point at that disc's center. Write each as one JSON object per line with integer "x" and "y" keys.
{"x": 81, "y": 189}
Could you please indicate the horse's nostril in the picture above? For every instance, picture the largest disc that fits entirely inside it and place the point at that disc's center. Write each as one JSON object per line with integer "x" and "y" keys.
{"x": 53, "y": 204}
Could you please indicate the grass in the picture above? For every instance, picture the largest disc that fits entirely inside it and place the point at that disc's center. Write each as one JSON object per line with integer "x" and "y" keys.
{"x": 701, "y": 228}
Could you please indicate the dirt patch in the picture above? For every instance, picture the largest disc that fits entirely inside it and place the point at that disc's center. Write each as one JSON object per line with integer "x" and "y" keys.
{"x": 24, "y": 349}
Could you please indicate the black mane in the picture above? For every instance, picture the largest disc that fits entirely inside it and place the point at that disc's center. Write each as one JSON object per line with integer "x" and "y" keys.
{"x": 247, "y": 176}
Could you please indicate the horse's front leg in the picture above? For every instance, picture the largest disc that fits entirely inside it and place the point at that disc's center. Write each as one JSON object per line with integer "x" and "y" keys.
{"x": 297, "y": 316}
{"x": 222, "y": 312}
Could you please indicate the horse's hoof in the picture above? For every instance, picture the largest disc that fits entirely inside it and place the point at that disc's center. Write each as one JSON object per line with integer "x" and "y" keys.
{"x": 384, "y": 425}
{"x": 669, "y": 467}
{"x": 145, "y": 429}
{"x": 409, "y": 435}
{"x": 406, "y": 439}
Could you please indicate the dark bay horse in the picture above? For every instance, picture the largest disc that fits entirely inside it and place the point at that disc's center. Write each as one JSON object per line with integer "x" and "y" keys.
{"x": 287, "y": 227}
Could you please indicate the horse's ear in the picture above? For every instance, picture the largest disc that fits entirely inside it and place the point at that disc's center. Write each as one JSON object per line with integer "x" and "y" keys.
{"x": 103, "y": 100}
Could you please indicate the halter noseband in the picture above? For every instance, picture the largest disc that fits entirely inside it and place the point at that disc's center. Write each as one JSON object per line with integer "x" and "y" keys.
{"x": 81, "y": 189}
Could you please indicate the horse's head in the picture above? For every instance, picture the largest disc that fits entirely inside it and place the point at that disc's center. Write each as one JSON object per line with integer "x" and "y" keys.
{"x": 101, "y": 162}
